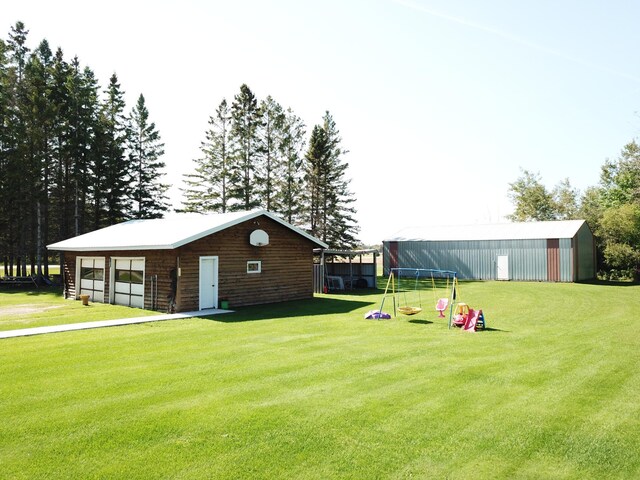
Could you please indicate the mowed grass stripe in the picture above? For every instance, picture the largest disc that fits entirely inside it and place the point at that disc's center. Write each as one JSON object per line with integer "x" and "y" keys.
{"x": 315, "y": 391}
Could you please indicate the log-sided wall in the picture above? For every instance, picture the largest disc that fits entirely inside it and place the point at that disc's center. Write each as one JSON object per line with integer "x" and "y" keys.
{"x": 157, "y": 262}
{"x": 287, "y": 263}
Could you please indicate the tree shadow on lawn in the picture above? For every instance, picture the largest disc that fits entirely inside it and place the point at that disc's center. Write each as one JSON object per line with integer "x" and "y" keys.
{"x": 296, "y": 308}
{"x": 610, "y": 283}
{"x": 18, "y": 290}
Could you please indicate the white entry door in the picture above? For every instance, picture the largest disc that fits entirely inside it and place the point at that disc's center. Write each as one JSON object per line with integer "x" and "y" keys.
{"x": 503, "y": 267}
{"x": 208, "y": 282}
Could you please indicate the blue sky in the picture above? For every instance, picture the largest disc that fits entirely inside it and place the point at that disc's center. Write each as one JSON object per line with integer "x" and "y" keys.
{"x": 440, "y": 103}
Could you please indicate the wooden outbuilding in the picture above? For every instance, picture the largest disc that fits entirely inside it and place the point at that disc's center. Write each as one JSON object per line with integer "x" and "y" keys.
{"x": 189, "y": 262}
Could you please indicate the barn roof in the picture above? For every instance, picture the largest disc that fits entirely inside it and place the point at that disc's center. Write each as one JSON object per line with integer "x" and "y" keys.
{"x": 495, "y": 231}
{"x": 165, "y": 233}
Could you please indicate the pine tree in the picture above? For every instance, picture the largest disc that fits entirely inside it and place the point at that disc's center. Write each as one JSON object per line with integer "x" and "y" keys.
{"x": 18, "y": 154}
{"x": 111, "y": 173}
{"x": 145, "y": 150}
{"x": 83, "y": 123}
{"x": 316, "y": 180}
{"x": 62, "y": 152}
{"x": 208, "y": 188}
{"x": 62, "y": 155}
{"x": 245, "y": 117}
{"x": 270, "y": 168}
{"x": 5, "y": 149}
{"x": 330, "y": 214}
{"x": 290, "y": 193}
{"x": 39, "y": 118}
{"x": 343, "y": 226}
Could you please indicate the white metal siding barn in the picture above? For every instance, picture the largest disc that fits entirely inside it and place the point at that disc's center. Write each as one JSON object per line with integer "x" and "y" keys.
{"x": 554, "y": 251}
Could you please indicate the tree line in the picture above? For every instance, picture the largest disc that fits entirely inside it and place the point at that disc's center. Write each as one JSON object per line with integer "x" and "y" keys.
{"x": 255, "y": 154}
{"x": 72, "y": 159}
{"x": 611, "y": 208}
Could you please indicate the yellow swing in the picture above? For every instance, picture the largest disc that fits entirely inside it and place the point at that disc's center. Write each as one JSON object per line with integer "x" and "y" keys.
{"x": 408, "y": 310}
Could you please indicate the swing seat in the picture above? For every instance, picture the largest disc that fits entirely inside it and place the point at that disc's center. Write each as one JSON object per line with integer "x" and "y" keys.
{"x": 409, "y": 310}
{"x": 442, "y": 305}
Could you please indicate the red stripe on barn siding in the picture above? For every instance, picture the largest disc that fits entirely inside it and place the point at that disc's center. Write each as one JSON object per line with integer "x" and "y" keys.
{"x": 553, "y": 260}
{"x": 393, "y": 254}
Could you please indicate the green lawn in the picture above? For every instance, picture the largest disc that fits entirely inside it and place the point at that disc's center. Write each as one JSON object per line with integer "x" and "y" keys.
{"x": 46, "y": 306}
{"x": 312, "y": 390}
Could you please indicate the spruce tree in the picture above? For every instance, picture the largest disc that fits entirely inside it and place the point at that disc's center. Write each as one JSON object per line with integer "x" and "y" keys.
{"x": 343, "y": 226}
{"x": 207, "y": 189}
{"x": 331, "y": 214}
{"x": 63, "y": 163}
{"x": 62, "y": 155}
{"x": 245, "y": 122}
{"x": 39, "y": 116}
{"x": 5, "y": 148}
{"x": 145, "y": 149}
{"x": 270, "y": 167}
{"x": 83, "y": 119}
{"x": 111, "y": 174}
{"x": 316, "y": 180}
{"x": 289, "y": 188}
{"x": 18, "y": 154}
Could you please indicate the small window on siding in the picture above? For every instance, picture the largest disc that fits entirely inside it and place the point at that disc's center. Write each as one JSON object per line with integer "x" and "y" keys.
{"x": 254, "y": 266}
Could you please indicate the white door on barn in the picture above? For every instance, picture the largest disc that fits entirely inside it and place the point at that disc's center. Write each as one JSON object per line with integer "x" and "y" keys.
{"x": 503, "y": 267}
{"x": 208, "y": 283}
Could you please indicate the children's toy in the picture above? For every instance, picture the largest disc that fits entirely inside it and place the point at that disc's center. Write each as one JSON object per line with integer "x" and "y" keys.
{"x": 442, "y": 305}
{"x": 406, "y": 310}
{"x": 460, "y": 315}
{"x": 405, "y": 284}
{"x": 467, "y": 318}
{"x": 472, "y": 320}
{"x": 481, "y": 325}
{"x": 376, "y": 315}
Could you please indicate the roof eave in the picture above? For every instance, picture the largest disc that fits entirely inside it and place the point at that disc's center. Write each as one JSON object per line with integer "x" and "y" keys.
{"x": 193, "y": 238}
{"x": 103, "y": 248}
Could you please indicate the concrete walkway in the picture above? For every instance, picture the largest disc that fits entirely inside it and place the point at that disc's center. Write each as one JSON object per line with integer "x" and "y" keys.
{"x": 24, "y": 332}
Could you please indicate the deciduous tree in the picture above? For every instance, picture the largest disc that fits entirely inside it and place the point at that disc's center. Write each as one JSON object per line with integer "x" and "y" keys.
{"x": 531, "y": 199}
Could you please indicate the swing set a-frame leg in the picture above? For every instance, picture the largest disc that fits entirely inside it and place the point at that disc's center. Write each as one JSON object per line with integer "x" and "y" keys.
{"x": 391, "y": 282}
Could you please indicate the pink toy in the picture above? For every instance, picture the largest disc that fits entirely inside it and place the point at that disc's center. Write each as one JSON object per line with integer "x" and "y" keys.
{"x": 472, "y": 319}
{"x": 441, "y": 306}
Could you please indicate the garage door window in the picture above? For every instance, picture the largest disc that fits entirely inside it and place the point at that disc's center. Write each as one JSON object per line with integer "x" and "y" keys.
{"x": 92, "y": 278}
{"x": 129, "y": 282}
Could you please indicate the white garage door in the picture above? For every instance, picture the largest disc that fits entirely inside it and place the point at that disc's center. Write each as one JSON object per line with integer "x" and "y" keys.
{"x": 91, "y": 278}
{"x": 128, "y": 282}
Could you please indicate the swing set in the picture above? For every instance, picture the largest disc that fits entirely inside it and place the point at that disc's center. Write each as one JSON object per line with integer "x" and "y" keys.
{"x": 405, "y": 284}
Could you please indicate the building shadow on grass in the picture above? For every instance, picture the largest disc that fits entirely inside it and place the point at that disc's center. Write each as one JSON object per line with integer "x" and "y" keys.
{"x": 611, "y": 283}
{"x": 297, "y": 308}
